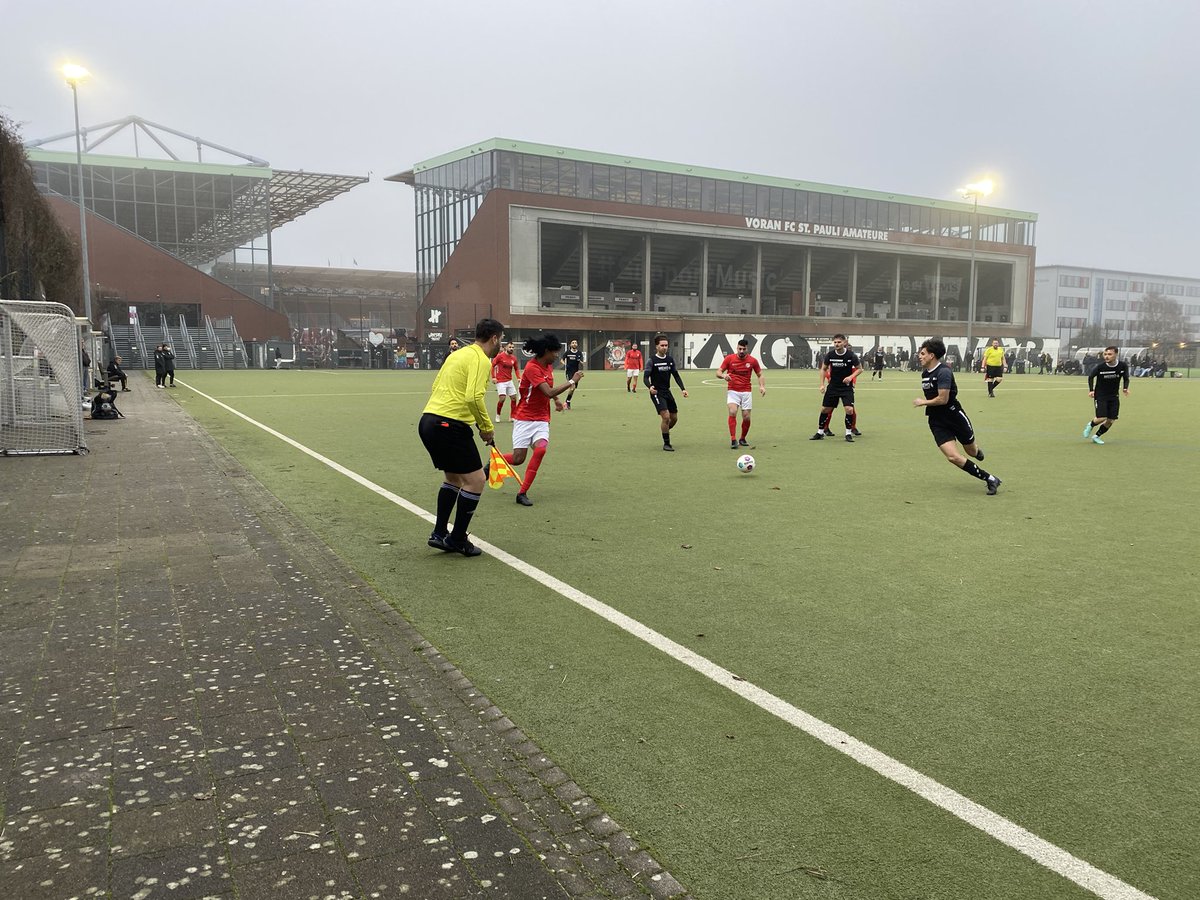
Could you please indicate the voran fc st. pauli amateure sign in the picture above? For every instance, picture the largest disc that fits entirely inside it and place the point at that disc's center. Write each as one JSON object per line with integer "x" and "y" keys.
{"x": 787, "y": 226}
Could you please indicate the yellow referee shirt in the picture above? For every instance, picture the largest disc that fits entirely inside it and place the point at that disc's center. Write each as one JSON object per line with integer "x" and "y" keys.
{"x": 459, "y": 388}
{"x": 993, "y": 356}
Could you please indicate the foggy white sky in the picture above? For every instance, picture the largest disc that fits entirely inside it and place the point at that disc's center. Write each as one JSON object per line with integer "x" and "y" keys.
{"x": 1084, "y": 112}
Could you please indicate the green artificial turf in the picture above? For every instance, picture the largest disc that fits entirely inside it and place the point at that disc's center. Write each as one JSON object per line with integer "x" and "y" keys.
{"x": 1036, "y": 651}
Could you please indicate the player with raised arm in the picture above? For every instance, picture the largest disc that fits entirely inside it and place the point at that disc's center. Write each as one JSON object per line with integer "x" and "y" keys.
{"x": 839, "y": 368}
{"x": 735, "y": 369}
{"x": 657, "y": 377}
{"x": 573, "y": 359}
{"x": 503, "y": 367}
{"x": 1103, "y": 386}
{"x": 947, "y": 420}
{"x": 531, "y": 426}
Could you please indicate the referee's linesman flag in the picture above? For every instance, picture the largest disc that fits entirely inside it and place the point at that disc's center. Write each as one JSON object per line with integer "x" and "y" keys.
{"x": 498, "y": 470}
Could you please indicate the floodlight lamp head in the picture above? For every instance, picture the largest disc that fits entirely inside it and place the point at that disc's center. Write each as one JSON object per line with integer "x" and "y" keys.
{"x": 75, "y": 74}
{"x": 979, "y": 189}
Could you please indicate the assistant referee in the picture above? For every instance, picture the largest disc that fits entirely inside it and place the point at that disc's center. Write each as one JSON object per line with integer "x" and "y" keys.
{"x": 455, "y": 403}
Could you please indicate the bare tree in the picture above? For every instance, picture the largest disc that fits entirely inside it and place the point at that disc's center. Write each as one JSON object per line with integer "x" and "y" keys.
{"x": 1161, "y": 321}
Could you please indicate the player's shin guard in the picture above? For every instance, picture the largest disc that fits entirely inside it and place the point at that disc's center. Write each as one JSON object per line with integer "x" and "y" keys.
{"x": 462, "y": 519}
{"x": 971, "y": 469}
{"x": 745, "y": 428}
{"x": 852, "y": 419}
{"x": 732, "y": 427}
{"x": 532, "y": 468}
{"x": 499, "y": 407}
{"x": 1102, "y": 429}
{"x": 446, "y": 499}
{"x": 823, "y": 422}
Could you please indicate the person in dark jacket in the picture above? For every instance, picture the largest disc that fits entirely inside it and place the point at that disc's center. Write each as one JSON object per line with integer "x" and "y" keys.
{"x": 160, "y": 365}
{"x": 169, "y": 355}
{"x": 116, "y": 373}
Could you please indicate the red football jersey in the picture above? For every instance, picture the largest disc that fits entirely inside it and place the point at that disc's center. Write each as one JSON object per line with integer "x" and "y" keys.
{"x": 739, "y": 371}
{"x": 532, "y": 404}
{"x": 633, "y": 359}
{"x": 503, "y": 365}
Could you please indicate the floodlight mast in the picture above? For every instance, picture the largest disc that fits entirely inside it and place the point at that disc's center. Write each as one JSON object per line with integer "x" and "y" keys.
{"x": 974, "y": 191}
{"x": 74, "y": 76}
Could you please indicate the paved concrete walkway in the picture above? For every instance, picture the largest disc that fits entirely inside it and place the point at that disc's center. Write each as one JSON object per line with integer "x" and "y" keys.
{"x": 198, "y": 699}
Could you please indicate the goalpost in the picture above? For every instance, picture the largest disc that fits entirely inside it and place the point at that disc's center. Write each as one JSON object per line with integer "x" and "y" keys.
{"x": 41, "y": 379}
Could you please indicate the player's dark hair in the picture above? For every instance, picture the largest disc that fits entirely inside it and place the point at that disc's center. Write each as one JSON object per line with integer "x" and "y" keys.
{"x": 836, "y": 336}
{"x": 743, "y": 343}
{"x": 538, "y": 345}
{"x": 935, "y": 346}
{"x": 661, "y": 337}
{"x": 487, "y": 328}
{"x": 1113, "y": 349}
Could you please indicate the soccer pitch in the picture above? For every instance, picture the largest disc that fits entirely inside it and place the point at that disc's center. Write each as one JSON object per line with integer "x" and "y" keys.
{"x": 1036, "y": 651}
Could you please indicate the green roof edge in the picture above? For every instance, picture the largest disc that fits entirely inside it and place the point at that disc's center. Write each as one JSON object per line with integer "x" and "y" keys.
{"x": 138, "y": 162}
{"x": 612, "y": 159}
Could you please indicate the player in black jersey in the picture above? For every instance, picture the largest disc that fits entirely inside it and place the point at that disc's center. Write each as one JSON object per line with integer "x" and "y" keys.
{"x": 839, "y": 367}
{"x": 878, "y": 358}
{"x": 947, "y": 420}
{"x": 573, "y": 359}
{"x": 660, "y": 369}
{"x": 1103, "y": 386}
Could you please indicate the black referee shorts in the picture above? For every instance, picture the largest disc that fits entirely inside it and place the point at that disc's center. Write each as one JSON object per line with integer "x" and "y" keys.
{"x": 994, "y": 372}
{"x": 450, "y": 443}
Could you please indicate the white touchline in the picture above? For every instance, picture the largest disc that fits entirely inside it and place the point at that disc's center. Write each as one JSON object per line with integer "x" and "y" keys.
{"x": 1013, "y": 835}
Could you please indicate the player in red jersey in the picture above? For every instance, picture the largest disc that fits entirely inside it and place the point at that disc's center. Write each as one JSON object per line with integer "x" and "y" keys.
{"x": 531, "y": 427}
{"x": 735, "y": 369}
{"x": 633, "y": 367}
{"x": 503, "y": 366}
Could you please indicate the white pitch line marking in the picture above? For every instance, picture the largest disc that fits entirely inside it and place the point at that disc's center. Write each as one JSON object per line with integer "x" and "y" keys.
{"x": 1007, "y": 832}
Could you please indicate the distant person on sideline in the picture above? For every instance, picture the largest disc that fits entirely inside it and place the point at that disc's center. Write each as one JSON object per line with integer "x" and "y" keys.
{"x": 116, "y": 373}
{"x": 633, "y": 367}
{"x": 1103, "y": 385}
{"x": 457, "y": 400}
{"x": 947, "y": 420}
{"x": 736, "y": 369}
{"x": 503, "y": 367}
{"x": 995, "y": 364}
{"x": 531, "y": 425}
{"x": 657, "y": 378}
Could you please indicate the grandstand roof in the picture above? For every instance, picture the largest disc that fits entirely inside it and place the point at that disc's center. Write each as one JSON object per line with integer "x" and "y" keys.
{"x": 220, "y": 203}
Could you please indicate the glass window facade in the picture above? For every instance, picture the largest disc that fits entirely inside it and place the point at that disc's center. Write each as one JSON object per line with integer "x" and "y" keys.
{"x": 448, "y": 196}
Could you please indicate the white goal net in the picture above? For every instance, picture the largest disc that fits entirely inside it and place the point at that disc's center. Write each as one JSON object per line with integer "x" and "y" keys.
{"x": 41, "y": 379}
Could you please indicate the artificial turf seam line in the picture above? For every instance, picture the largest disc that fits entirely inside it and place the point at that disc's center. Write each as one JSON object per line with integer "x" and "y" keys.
{"x": 1041, "y": 851}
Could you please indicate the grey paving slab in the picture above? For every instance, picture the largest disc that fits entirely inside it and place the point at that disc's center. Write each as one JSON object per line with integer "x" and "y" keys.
{"x": 202, "y": 700}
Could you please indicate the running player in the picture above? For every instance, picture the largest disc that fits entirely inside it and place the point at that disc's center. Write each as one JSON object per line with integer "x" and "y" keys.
{"x": 532, "y": 425}
{"x": 839, "y": 368}
{"x": 995, "y": 364}
{"x": 878, "y": 358}
{"x": 1102, "y": 387}
{"x": 574, "y": 360}
{"x": 947, "y": 420}
{"x": 657, "y": 378}
{"x": 457, "y": 400}
{"x": 633, "y": 367}
{"x": 503, "y": 367}
{"x": 735, "y": 369}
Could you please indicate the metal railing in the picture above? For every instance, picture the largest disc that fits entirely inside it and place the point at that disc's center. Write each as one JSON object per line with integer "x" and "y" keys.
{"x": 212, "y": 337}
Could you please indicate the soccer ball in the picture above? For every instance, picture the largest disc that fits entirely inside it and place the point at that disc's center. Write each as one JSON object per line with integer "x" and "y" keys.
{"x": 745, "y": 463}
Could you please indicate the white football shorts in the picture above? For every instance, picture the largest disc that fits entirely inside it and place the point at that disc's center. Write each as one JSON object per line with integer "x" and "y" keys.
{"x": 526, "y": 434}
{"x": 633, "y": 373}
{"x": 743, "y": 399}
{"x": 506, "y": 389}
